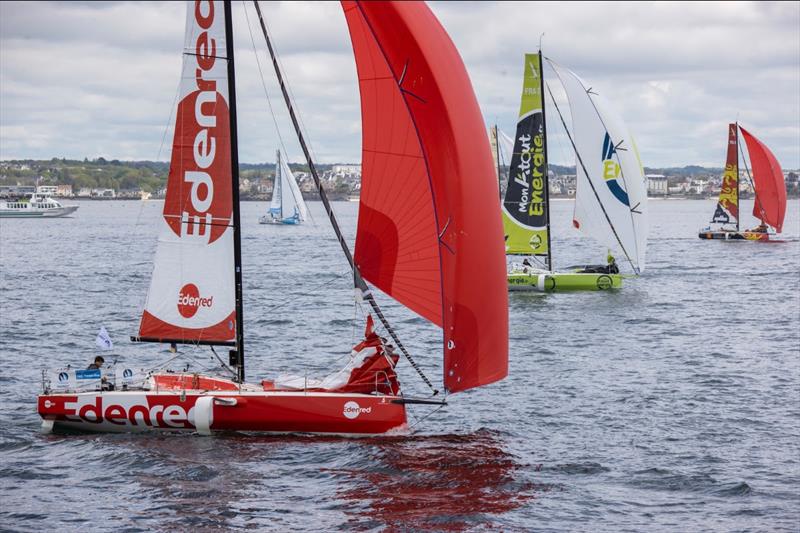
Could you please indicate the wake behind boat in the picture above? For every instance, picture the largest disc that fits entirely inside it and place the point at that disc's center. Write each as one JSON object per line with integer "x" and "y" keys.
{"x": 40, "y": 205}
{"x": 195, "y": 294}
{"x": 768, "y": 182}
{"x": 611, "y": 195}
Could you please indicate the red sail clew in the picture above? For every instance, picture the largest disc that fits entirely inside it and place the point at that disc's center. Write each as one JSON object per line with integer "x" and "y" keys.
{"x": 770, "y": 203}
{"x": 429, "y": 231}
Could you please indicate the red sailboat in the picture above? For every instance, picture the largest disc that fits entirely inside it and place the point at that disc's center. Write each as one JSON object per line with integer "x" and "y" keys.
{"x": 767, "y": 181}
{"x": 427, "y": 178}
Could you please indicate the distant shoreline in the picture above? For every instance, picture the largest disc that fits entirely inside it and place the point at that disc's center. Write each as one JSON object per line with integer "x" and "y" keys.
{"x": 354, "y": 200}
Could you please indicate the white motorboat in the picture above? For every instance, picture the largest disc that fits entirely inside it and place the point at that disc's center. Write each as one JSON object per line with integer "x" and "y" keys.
{"x": 40, "y": 205}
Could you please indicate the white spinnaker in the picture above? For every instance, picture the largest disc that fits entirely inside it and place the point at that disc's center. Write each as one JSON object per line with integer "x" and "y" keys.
{"x": 292, "y": 197}
{"x": 192, "y": 291}
{"x": 619, "y": 219}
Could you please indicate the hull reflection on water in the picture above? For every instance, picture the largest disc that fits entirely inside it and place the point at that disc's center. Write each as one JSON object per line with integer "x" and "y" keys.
{"x": 441, "y": 482}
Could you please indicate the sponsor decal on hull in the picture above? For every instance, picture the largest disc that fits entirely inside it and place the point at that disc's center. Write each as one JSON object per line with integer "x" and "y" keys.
{"x": 352, "y": 410}
{"x": 154, "y": 412}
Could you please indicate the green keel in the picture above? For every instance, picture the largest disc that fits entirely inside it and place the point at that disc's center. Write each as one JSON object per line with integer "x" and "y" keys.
{"x": 562, "y": 281}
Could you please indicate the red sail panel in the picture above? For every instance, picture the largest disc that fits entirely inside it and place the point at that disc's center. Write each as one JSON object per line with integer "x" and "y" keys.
{"x": 192, "y": 290}
{"x": 770, "y": 203}
{"x": 429, "y": 231}
{"x": 728, "y": 205}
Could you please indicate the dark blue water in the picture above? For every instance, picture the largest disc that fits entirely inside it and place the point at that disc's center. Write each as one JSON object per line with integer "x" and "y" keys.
{"x": 672, "y": 405}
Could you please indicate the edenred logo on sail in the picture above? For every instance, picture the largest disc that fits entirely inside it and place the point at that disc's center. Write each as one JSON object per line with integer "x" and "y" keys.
{"x": 199, "y": 202}
{"x": 189, "y": 301}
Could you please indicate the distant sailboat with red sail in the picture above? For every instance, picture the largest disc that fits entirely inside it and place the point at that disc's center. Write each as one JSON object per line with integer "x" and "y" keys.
{"x": 423, "y": 145}
{"x": 769, "y": 205}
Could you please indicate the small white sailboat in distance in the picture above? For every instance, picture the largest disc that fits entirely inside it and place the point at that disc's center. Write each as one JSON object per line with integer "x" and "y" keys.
{"x": 287, "y": 206}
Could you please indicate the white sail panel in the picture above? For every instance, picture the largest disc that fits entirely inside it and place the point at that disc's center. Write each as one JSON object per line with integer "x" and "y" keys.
{"x": 611, "y": 190}
{"x": 275, "y": 205}
{"x": 290, "y": 192}
{"x": 192, "y": 291}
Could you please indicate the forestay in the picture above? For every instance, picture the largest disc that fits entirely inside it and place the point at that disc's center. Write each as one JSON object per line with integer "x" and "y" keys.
{"x": 192, "y": 291}
{"x": 428, "y": 232}
{"x": 611, "y": 190}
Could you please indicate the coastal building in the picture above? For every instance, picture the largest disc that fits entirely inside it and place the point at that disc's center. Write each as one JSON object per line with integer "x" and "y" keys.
{"x": 16, "y": 191}
{"x": 64, "y": 191}
{"x": 656, "y": 185}
{"x": 103, "y": 193}
{"x": 48, "y": 190}
{"x": 346, "y": 169}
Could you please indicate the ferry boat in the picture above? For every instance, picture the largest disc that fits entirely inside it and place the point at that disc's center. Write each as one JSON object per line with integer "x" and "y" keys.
{"x": 40, "y": 205}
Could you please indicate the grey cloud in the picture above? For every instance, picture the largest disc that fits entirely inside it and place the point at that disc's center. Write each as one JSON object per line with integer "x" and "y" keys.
{"x": 91, "y": 79}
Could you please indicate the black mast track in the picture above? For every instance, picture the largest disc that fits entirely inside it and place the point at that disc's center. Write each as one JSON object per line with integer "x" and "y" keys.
{"x": 597, "y": 196}
{"x": 237, "y": 225}
{"x": 359, "y": 282}
{"x": 546, "y": 169}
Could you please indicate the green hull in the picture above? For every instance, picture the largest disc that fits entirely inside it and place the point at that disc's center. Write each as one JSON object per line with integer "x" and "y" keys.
{"x": 562, "y": 281}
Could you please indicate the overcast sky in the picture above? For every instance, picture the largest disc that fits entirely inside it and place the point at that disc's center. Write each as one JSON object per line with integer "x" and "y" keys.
{"x": 85, "y": 79}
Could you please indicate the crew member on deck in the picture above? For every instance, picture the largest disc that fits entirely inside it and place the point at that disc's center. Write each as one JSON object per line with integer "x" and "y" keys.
{"x": 98, "y": 362}
{"x": 612, "y": 267}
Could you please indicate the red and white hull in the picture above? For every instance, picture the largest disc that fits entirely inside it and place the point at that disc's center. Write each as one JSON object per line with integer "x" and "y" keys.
{"x": 207, "y": 411}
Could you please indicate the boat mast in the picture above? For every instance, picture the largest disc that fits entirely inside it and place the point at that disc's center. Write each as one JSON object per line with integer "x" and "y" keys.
{"x": 358, "y": 281}
{"x": 738, "y": 205}
{"x": 238, "y": 354}
{"x": 497, "y": 157}
{"x": 546, "y": 170}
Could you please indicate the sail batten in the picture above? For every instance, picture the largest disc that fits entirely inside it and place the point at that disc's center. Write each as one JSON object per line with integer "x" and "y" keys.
{"x": 425, "y": 235}
{"x": 770, "y": 202}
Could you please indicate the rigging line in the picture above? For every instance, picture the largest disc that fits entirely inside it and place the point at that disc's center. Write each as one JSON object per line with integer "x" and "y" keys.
{"x": 622, "y": 173}
{"x": 358, "y": 280}
{"x": 597, "y": 196}
{"x": 752, "y": 184}
{"x": 271, "y": 110}
{"x": 263, "y": 83}
{"x": 420, "y": 420}
{"x": 312, "y": 289}
{"x": 222, "y": 364}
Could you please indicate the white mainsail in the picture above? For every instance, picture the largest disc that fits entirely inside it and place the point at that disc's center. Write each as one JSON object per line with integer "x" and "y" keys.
{"x": 611, "y": 190}
{"x": 192, "y": 291}
{"x": 287, "y": 201}
{"x": 275, "y": 206}
{"x": 290, "y": 192}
